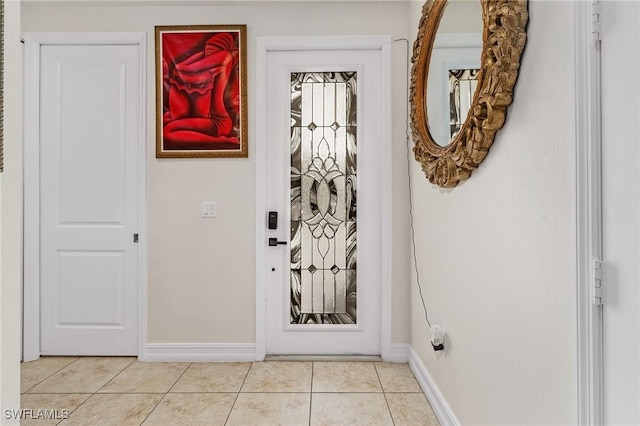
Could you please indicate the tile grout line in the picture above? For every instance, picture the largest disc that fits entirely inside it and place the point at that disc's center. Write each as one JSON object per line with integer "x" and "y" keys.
{"x": 116, "y": 375}
{"x": 165, "y": 394}
{"x": 72, "y": 411}
{"x": 338, "y": 391}
{"x": 384, "y": 393}
{"x": 238, "y": 393}
{"x": 313, "y": 364}
{"x": 154, "y": 408}
{"x": 49, "y": 376}
{"x": 96, "y": 392}
{"x": 178, "y": 379}
{"x": 91, "y": 394}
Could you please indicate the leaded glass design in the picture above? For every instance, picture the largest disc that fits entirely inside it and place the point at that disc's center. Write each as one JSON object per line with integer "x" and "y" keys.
{"x": 323, "y": 198}
{"x": 462, "y": 87}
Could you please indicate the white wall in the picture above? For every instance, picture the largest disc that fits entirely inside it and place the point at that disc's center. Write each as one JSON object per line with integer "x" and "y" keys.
{"x": 496, "y": 254}
{"x": 202, "y": 272}
{"x": 11, "y": 216}
{"x": 621, "y": 210}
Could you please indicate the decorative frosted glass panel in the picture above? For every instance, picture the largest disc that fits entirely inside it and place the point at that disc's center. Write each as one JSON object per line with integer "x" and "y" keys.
{"x": 323, "y": 198}
{"x": 462, "y": 87}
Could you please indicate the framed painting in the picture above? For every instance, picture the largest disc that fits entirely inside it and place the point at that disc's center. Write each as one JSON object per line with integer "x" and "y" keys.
{"x": 201, "y": 91}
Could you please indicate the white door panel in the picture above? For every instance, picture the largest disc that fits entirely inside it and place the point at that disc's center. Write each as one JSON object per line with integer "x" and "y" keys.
{"x": 105, "y": 272}
{"x": 89, "y": 151}
{"x": 285, "y": 335}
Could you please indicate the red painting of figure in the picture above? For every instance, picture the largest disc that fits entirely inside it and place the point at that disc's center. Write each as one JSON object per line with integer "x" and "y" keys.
{"x": 202, "y": 111}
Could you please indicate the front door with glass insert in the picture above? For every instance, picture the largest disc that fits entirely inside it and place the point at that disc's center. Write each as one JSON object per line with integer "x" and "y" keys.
{"x": 324, "y": 118}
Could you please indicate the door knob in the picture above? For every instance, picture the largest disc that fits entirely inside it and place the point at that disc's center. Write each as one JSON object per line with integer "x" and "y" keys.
{"x": 274, "y": 242}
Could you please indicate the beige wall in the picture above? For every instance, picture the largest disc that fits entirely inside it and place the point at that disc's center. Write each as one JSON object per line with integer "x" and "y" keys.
{"x": 11, "y": 217}
{"x": 202, "y": 272}
{"x": 496, "y": 254}
{"x": 461, "y": 16}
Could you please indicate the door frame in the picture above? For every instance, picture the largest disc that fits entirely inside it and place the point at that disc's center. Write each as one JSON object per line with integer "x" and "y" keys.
{"x": 264, "y": 45}
{"x": 588, "y": 214}
{"x": 31, "y": 271}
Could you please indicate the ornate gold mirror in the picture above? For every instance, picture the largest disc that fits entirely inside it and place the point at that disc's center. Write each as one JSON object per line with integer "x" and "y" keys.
{"x": 451, "y": 156}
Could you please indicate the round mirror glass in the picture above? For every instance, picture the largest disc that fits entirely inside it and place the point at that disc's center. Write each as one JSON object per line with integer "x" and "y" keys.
{"x": 453, "y": 69}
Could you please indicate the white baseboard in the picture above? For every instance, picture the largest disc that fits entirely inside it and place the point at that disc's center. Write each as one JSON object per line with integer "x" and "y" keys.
{"x": 199, "y": 352}
{"x": 399, "y": 353}
{"x": 440, "y": 407}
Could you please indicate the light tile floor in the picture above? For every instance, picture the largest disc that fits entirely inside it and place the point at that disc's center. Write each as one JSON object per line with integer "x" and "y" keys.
{"x": 120, "y": 391}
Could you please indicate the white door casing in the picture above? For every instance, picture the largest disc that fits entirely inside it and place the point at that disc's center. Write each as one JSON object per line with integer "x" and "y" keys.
{"x": 84, "y": 194}
{"x": 368, "y": 57}
{"x": 588, "y": 211}
{"x": 607, "y": 211}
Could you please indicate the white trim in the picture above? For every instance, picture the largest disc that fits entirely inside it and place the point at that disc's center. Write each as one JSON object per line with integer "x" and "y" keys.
{"x": 263, "y": 46}
{"x": 40, "y": 38}
{"x": 137, "y": 3}
{"x": 142, "y": 206}
{"x": 358, "y": 42}
{"x": 399, "y": 352}
{"x": 199, "y": 352}
{"x": 386, "y": 207}
{"x": 261, "y": 188}
{"x": 31, "y": 265}
{"x": 31, "y": 290}
{"x": 588, "y": 213}
{"x": 439, "y": 405}
{"x": 582, "y": 233}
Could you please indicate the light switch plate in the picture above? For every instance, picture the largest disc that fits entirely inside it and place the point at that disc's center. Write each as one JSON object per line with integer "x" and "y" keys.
{"x": 209, "y": 209}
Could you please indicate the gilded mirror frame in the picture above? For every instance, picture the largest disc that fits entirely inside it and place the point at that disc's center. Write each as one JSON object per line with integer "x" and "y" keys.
{"x": 504, "y": 37}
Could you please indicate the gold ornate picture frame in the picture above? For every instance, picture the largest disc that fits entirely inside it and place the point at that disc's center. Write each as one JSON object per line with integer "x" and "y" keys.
{"x": 201, "y": 91}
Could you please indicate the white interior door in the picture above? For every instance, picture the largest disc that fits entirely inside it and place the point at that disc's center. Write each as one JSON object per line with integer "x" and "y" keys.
{"x": 324, "y": 126}
{"x": 90, "y": 127}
